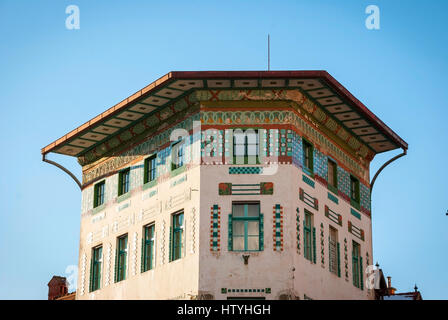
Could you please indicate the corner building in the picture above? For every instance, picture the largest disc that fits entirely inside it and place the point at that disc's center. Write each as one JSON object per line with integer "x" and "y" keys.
{"x": 228, "y": 185}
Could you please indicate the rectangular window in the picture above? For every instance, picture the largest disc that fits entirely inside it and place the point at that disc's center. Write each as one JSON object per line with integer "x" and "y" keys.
{"x": 308, "y": 156}
{"x": 245, "y": 146}
{"x": 177, "y": 155}
{"x": 246, "y": 226}
{"x": 150, "y": 169}
{"x": 121, "y": 258}
{"x": 333, "y": 250}
{"x": 148, "y": 248}
{"x": 332, "y": 175}
{"x": 307, "y": 236}
{"x": 178, "y": 228}
{"x": 354, "y": 189}
{"x": 123, "y": 181}
{"x": 356, "y": 265}
{"x": 99, "y": 194}
{"x": 95, "y": 272}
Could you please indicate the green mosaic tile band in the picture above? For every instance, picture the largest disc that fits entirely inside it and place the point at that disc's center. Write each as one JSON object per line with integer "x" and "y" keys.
{"x": 308, "y": 180}
{"x": 245, "y": 170}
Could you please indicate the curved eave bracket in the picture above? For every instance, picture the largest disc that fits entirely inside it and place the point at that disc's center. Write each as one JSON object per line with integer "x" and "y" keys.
{"x": 44, "y": 158}
{"x": 384, "y": 166}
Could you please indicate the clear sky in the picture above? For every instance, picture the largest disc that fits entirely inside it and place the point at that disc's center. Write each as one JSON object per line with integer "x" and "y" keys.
{"x": 53, "y": 79}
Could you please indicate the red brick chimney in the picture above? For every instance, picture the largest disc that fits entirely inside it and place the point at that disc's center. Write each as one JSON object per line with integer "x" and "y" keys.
{"x": 391, "y": 290}
{"x": 57, "y": 287}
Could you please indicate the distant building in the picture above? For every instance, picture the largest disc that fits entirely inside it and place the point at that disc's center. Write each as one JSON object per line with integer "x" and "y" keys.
{"x": 58, "y": 290}
{"x": 228, "y": 185}
{"x": 391, "y": 294}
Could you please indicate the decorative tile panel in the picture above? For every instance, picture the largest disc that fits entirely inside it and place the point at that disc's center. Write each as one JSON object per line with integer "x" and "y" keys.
{"x": 278, "y": 228}
{"x": 215, "y": 228}
{"x": 245, "y": 170}
{"x": 298, "y": 229}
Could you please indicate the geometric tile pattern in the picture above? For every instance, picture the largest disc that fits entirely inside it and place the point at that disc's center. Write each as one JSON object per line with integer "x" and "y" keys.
{"x": 215, "y": 228}
{"x": 320, "y": 164}
{"x": 298, "y": 229}
{"x": 245, "y": 170}
{"x": 365, "y": 197}
{"x": 344, "y": 182}
{"x": 278, "y": 227}
{"x": 297, "y": 154}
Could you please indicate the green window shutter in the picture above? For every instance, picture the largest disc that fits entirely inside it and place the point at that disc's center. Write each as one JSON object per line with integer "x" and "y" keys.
{"x": 120, "y": 182}
{"x": 116, "y": 265}
{"x": 360, "y": 274}
{"x": 171, "y": 245}
{"x": 95, "y": 196}
{"x": 339, "y": 261}
{"x": 142, "y": 263}
{"x": 91, "y": 275}
{"x": 261, "y": 234}
{"x": 145, "y": 171}
{"x": 305, "y": 241}
{"x": 314, "y": 245}
{"x": 230, "y": 240}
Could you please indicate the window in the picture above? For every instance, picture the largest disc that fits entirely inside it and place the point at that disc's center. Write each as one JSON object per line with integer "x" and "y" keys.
{"x": 95, "y": 268}
{"x": 356, "y": 265}
{"x": 121, "y": 257}
{"x": 245, "y": 230}
{"x": 332, "y": 175}
{"x": 98, "y": 194}
{"x": 123, "y": 181}
{"x": 150, "y": 169}
{"x": 308, "y": 156}
{"x": 148, "y": 248}
{"x": 333, "y": 251}
{"x": 177, "y": 155}
{"x": 245, "y": 146}
{"x": 177, "y": 233}
{"x": 308, "y": 233}
{"x": 354, "y": 189}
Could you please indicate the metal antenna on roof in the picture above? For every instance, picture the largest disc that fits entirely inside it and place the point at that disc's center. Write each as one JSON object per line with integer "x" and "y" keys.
{"x": 269, "y": 53}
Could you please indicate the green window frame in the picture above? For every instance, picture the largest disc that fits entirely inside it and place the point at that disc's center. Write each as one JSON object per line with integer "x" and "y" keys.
{"x": 121, "y": 258}
{"x": 356, "y": 264}
{"x": 177, "y": 235}
{"x": 95, "y": 269}
{"x": 123, "y": 181}
{"x": 148, "y": 247}
{"x": 308, "y": 152}
{"x": 307, "y": 236}
{"x": 150, "y": 169}
{"x": 332, "y": 176}
{"x": 177, "y": 154}
{"x": 246, "y": 227}
{"x": 354, "y": 191}
{"x": 333, "y": 251}
{"x": 246, "y": 149}
{"x": 98, "y": 193}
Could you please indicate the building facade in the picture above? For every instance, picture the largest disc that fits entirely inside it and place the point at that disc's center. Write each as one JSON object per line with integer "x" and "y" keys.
{"x": 228, "y": 185}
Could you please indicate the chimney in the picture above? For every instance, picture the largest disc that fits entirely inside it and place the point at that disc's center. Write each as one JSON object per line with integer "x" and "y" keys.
{"x": 390, "y": 289}
{"x": 57, "y": 287}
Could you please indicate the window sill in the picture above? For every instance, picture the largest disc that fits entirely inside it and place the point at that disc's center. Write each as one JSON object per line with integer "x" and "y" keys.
{"x": 123, "y": 197}
{"x": 149, "y": 184}
{"x": 177, "y": 171}
{"x": 308, "y": 172}
{"x": 355, "y": 204}
{"x": 333, "y": 189}
{"x": 98, "y": 208}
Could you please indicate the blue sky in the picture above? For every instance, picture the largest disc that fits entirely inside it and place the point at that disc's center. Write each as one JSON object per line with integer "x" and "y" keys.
{"x": 53, "y": 79}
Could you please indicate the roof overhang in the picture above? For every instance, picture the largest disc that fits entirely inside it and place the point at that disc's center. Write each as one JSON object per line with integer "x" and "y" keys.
{"x": 319, "y": 86}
